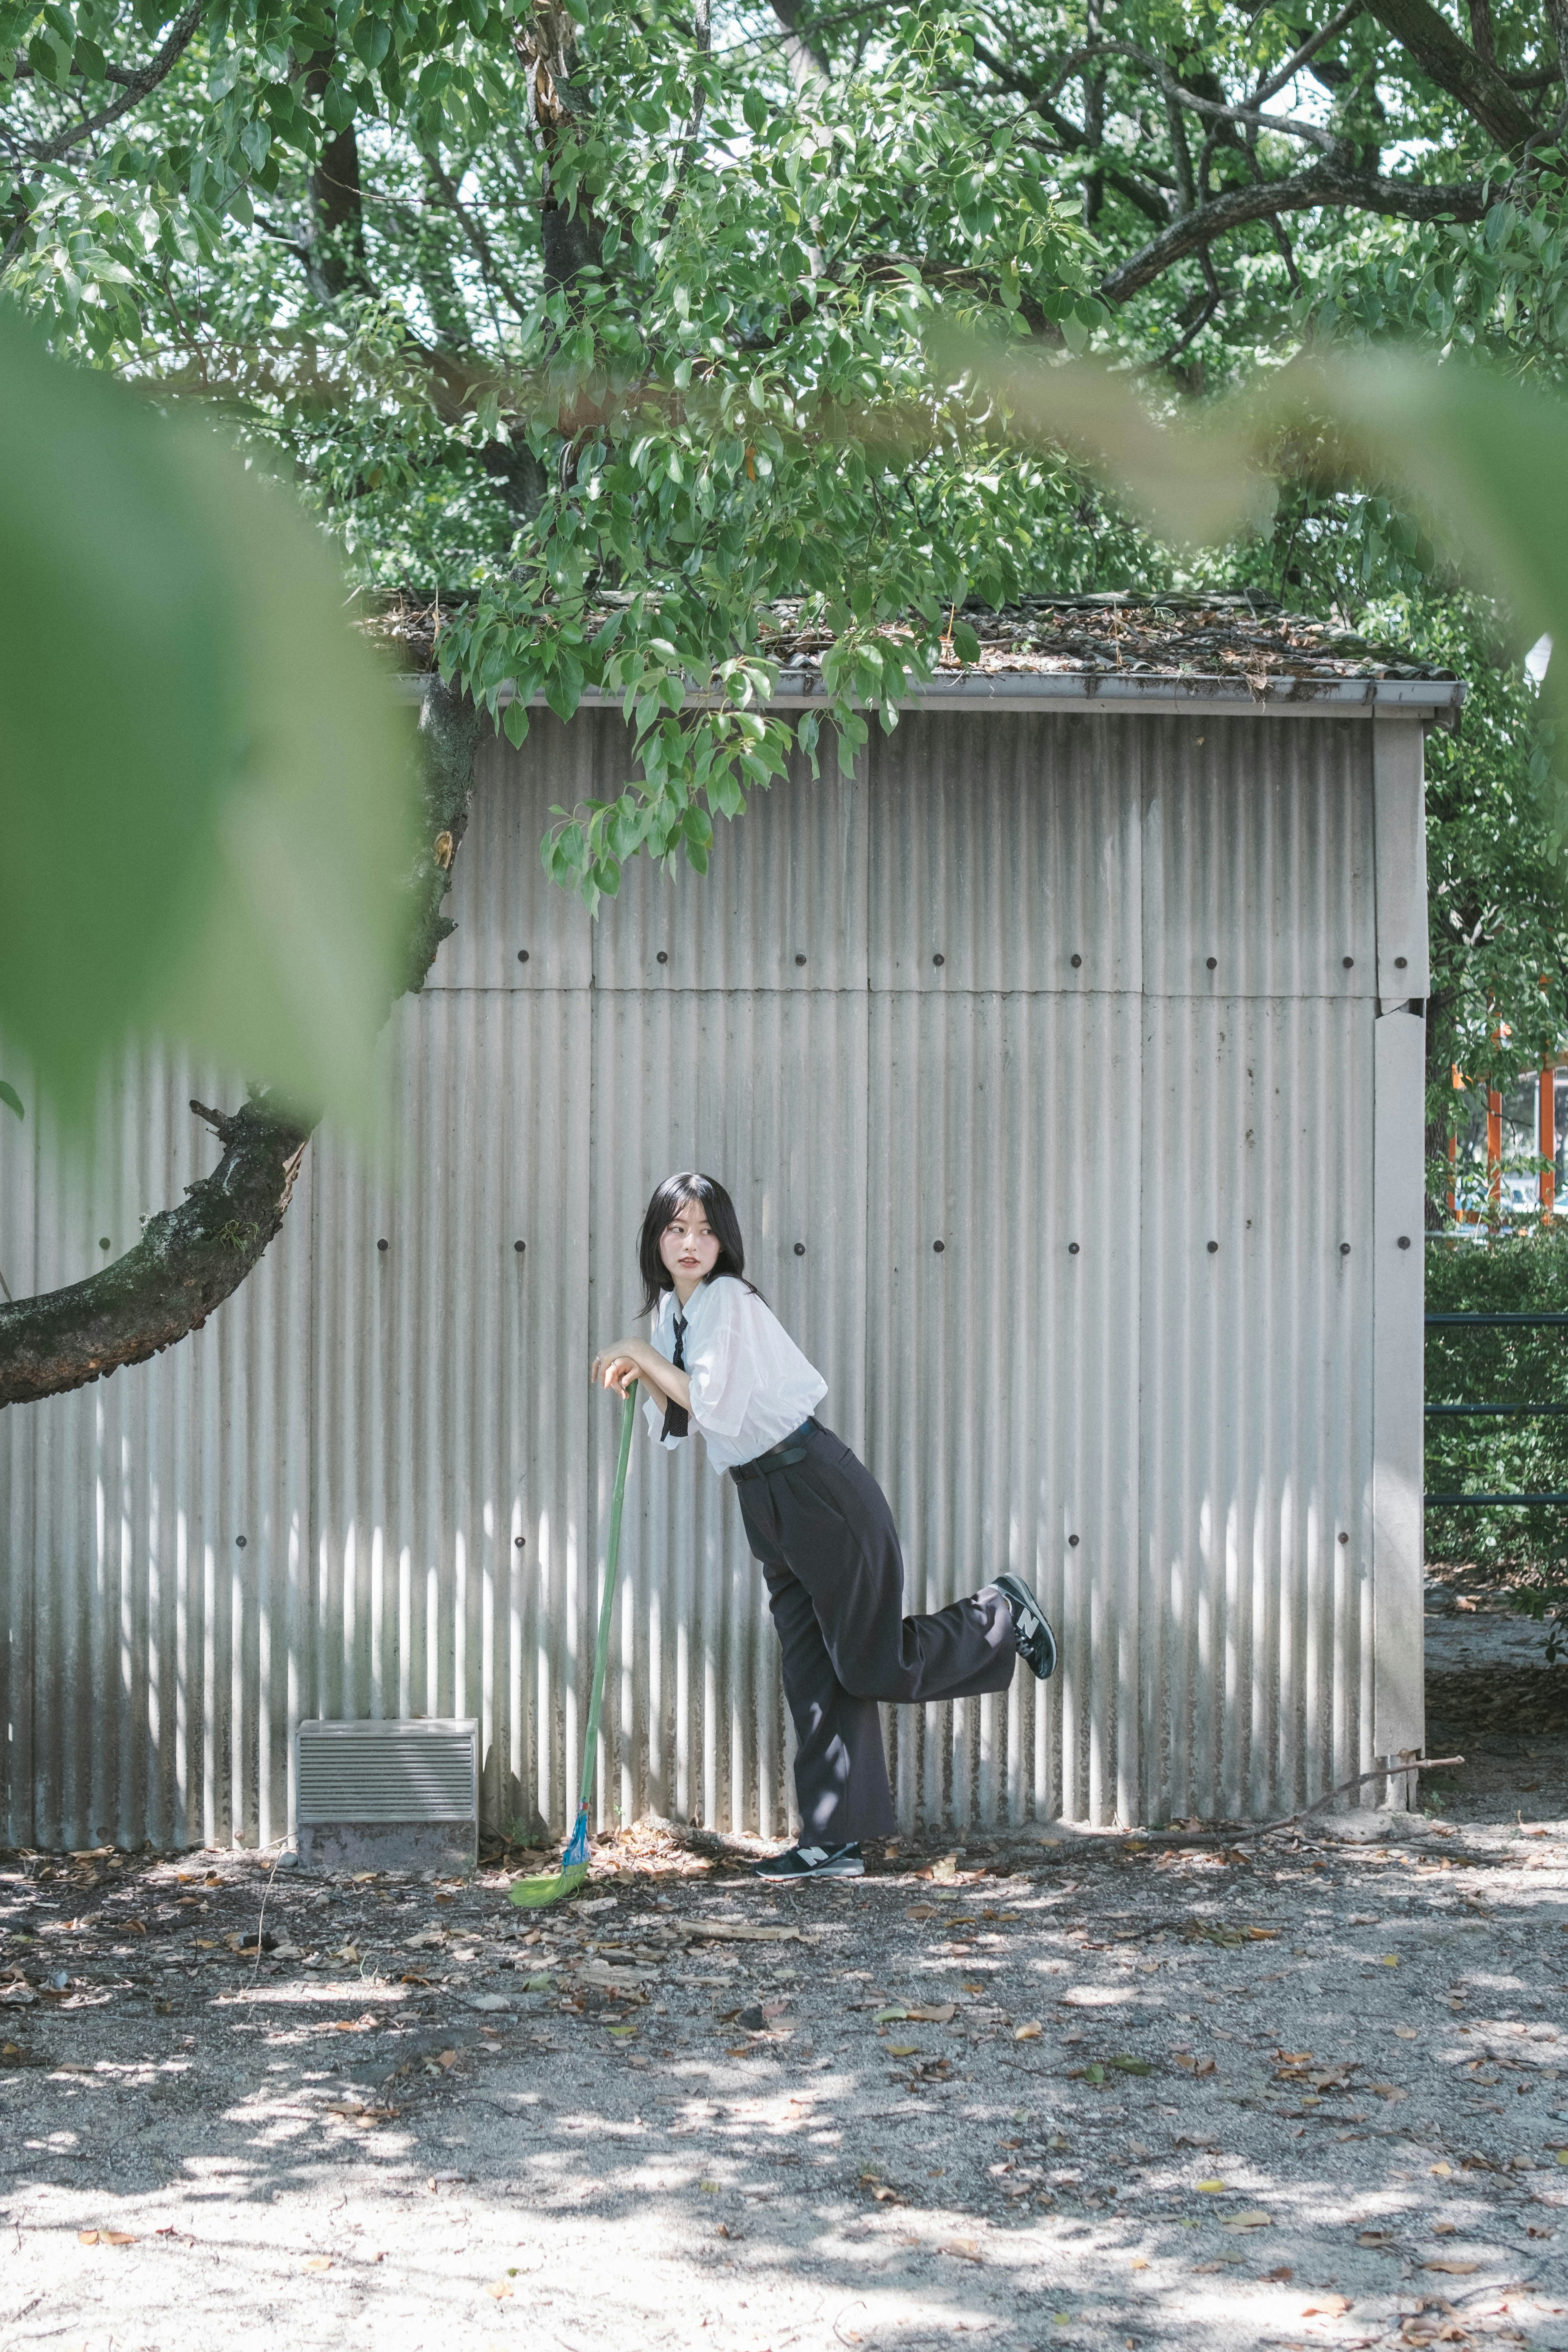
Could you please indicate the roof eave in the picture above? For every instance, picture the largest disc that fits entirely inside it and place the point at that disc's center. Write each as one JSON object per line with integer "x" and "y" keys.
{"x": 1433, "y": 701}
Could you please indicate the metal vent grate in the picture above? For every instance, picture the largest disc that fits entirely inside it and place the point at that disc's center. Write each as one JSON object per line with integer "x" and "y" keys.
{"x": 425, "y": 1771}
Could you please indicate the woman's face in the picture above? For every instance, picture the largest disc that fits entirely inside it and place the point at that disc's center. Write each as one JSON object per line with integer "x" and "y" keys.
{"x": 690, "y": 1248}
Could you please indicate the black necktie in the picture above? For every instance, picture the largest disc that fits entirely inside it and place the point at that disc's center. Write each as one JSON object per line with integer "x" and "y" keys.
{"x": 676, "y": 1422}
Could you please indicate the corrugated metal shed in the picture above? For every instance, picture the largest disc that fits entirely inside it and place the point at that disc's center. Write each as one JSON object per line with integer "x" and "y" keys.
{"x": 1060, "y": 1067}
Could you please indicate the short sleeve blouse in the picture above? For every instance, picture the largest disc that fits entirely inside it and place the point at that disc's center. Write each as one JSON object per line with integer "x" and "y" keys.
{"x": 751, "y": 1385}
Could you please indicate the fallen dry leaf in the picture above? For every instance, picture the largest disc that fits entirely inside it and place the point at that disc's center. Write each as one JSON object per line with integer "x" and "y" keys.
{"x": 1278, "y": 2276}
{"x": 935, "y": 2012}
{"x": 963, "y": 2250}
{"x": 1408, "y": 2033}
{"x": 1250, "y": 2221}
{"x": 1332, "y": 2306}
{"x": 318, "y": 2261}
{"x": 1030, "y": 2033}
{"x": 499, "y": 2288}
{"x": 1210, "y": 2188}
{"x": 1454, "y": 2270}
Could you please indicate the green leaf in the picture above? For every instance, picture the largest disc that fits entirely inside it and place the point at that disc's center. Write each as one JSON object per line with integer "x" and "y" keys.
{"x": 563, "y": 693}
{"x": 372, "y": 40}
{"x": 515, "y": 722}
{"x": 231, "y": 875}
{"x": 753, "y": 106}
{"x": 11, "y": 1098}
{"x": 965, "y": 644}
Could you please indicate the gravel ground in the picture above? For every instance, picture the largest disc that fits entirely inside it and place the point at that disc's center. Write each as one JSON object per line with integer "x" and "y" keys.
{"x": 1309, "y": 2090}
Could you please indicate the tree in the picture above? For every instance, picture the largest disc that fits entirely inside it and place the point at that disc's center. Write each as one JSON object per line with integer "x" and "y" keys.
{"x": 581, "y": 315}
{"x": 618, "y": 336}
{"x": 204, "y": 785}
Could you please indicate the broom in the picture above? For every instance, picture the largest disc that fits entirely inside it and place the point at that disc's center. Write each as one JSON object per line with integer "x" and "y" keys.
{"x": 550, "y": 1886}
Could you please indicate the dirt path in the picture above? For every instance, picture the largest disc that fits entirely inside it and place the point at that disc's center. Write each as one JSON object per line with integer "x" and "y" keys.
{"x": 1311, "y": 2093}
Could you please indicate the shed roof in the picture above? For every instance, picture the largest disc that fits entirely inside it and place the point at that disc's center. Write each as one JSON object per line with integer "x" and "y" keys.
{"x": 1154, "y": 650}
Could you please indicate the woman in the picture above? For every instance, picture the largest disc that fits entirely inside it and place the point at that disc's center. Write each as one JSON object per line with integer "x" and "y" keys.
{"x": 814, "y": 1517}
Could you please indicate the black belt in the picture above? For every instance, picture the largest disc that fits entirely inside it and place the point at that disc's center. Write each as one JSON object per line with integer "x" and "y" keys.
{"x": 781, "y": 1456}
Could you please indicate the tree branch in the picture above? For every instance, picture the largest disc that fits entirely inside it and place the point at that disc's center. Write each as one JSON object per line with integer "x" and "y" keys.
{"x": 1147, "y": 198}
{"x": 447, "y": 189}
{"x": 1293, "y": 126}
{"x": 1286, "y": 73}
{"x": 137, "y": 87}
{"x": 1212, "y": 299}
{"x": 191, "y": 1258}
{"x": 1454, "y": 66}
{"x": 188, "y": 1261}
{"x": 1320, "y": 183}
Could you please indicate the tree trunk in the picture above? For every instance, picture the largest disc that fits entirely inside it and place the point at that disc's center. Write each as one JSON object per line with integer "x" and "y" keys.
{"x": 570, "y": 237}
{"x": 335, "y": 254}
{"x": 1454, "y": 67}
{"x": 1440, "y": 1041}
{"x": 191, "y": 1258}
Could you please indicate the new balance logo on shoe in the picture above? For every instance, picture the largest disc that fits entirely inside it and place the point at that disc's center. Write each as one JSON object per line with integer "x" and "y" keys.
{"x": 1032, "y": 1634}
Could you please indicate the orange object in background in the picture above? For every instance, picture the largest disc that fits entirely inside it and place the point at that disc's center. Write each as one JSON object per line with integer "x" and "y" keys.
{"x": 1546, "y": 1136}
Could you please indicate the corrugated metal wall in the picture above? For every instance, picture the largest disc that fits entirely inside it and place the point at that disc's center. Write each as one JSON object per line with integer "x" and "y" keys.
{"x": 952, "y": 1036}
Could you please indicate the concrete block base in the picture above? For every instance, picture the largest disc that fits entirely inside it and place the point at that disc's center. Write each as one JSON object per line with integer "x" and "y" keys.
{"x": 444, "y": 1846}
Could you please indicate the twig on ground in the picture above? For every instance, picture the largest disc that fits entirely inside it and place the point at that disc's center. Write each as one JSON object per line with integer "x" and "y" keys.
{"x": 260, "y": 1923}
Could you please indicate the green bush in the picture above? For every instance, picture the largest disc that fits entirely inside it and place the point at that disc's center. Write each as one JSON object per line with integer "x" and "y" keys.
{"x": 1523, "y": 1549}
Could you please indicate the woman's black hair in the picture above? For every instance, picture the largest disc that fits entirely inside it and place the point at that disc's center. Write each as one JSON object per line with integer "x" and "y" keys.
{"x": 670, "y": 1198}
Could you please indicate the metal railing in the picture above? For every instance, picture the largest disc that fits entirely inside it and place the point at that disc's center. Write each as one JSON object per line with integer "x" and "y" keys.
{"x": 1530, "y": 1411}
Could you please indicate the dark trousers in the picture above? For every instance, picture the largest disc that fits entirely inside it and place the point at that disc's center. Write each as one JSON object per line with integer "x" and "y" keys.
{"x": 829, "y": 1551}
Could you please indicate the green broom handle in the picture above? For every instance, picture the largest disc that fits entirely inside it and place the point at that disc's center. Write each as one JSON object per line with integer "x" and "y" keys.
{"x": 607, "y": 1607}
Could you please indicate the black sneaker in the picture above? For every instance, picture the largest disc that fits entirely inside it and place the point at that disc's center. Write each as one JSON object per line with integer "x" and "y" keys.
{"x": 811, "y": 1862}
{"x": 1036, "y": 1643}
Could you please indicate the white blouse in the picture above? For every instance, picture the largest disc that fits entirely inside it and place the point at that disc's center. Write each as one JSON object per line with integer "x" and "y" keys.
{"x": 750, "y": 1386}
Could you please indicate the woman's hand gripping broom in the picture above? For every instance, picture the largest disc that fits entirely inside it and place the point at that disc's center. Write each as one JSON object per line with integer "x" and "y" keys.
{"x": 550, "y": 1886}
